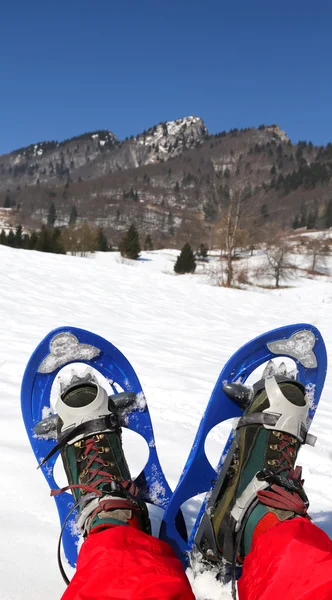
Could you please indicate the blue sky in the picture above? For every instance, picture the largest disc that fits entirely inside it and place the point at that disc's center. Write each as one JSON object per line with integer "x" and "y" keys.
{"x": 72, "y": 66}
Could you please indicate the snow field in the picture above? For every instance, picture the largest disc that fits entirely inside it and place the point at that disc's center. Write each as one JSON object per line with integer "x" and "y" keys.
{"x": 178, "y": 332}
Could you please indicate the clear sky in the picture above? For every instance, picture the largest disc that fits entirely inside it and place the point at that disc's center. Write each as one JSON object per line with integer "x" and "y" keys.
{"x": 72, "y": 66}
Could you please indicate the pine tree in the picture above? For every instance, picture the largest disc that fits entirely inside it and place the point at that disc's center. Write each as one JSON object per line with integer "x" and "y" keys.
{"x": 33, "y": 241}
{"x": 312, "y": 218}
{"x": 51, "y": 217}
{"x": 3, "y": 238}
{"x": 44, "y": 242}
{"x": 73, "y": 215}
{"x": 202, "y": 252}
{"x": 148, "y": 244}
{"x": 26, "y": 241}
{"x": 328, "y": 214}
{"x": 303, "y": 217}
{"x": 56, "y": 241}
{"x": 130, "y": 246}
{"x": 102, "y": 243}
{"x": 185, "y": 262}
{"x": 18, "y": 237}
{"x": 11, "y": 239}
{"x": 296, "y": 222}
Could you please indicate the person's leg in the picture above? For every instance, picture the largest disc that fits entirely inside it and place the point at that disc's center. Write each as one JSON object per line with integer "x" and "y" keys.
{"x": 259, "y": 510}
{"x": 125, "y": 563}
{"x": 291, "y": 561}
{"x": 119, "y": 559}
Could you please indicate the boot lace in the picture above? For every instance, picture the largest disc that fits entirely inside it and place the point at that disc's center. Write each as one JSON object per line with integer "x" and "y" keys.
{"x": 96, "y": 475}
{"x": 96, "y": 466}
{"x": 286, "y": 486}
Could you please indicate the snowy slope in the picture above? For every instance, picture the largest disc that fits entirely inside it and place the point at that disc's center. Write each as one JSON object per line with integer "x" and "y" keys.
{"x": 177, "y": 332}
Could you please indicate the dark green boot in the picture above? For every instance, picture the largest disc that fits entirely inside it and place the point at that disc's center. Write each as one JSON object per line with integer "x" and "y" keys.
{"x": 258, "y": 486}
{"x": 89, "y": 438}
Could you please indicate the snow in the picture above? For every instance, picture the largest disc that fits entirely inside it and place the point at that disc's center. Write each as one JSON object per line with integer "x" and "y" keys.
{"x": 178, "y": 332}
{"x": 174, "y": 130}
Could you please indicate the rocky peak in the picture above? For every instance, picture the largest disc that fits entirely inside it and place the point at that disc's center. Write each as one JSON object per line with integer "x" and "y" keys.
{"x": 171, "y": 138}
{"x": 277, "y": 132}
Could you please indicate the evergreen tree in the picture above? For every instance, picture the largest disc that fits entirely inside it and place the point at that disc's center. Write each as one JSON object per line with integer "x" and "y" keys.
{"x": 73, "y": 215}
{"x": 296, "y": 222}
{"x": 33, "y": 241}
{"x": 185, "y": 262}
{"x": 26, "y": 241}
{"x": 328, "y": 214}
{"x": 7, "y": 203}
{"x": 202, "y": 252}
{"x": 51, "y": 217}
{"x": 303, "y": 217}
{"x": 102, "y": 243}
{"x": 44, "y": 241}
{"x": 312, "y": 218}
{"x": 148, "y": 244}
{"x": 18, "y": 237}
{"x": 3, "y": 238}
{"x": 56, "y": 241}
{"x": 11, "y": 239}
{"x": 130, "y": 246}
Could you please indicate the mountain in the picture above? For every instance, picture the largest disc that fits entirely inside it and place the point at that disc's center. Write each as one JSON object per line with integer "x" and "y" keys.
{"x": 174, "y": 180}
{"x": 94, "y": 154}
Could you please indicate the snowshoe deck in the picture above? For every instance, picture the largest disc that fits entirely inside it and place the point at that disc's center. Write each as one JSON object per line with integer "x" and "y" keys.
{"x": 71, "y": 345}
{"x": 301, "y": 342}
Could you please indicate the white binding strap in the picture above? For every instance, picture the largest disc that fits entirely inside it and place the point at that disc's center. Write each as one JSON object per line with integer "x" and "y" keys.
{"x": 245, "y": 500}
{"x": 292, "y": 418}
{"x": 72, "y": 416}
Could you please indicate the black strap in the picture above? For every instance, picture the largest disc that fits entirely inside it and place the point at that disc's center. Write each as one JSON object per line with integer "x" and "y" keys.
{"x": 108, "y": 422}
{"x": 260, "y": 418}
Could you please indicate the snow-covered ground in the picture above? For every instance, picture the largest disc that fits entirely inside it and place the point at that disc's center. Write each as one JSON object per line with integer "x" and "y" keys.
{"x": 177, "y": 331}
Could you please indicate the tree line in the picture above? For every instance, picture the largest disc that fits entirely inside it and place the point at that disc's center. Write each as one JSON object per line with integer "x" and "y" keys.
{"x": 83, "y": 239}
{"x": 79, "y": 240}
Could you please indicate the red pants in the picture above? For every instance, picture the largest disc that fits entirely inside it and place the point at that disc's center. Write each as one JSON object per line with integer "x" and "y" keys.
{"x": 292, "y": 561}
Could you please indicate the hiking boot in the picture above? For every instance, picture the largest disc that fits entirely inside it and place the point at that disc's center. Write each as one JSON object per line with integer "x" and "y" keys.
{"x": 89, "y": 438}
{"x": 258, "y": 486}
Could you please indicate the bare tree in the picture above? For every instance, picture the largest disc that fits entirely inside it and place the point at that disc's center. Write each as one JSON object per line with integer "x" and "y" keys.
{"x": 79, "y": 240}
{"x": 317, "y": 249}
{"x": 278, "y": 264}
{"x": 232, "y": 224}
{"x": 235, "y": 232}
{"x": 229, "y": 236}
